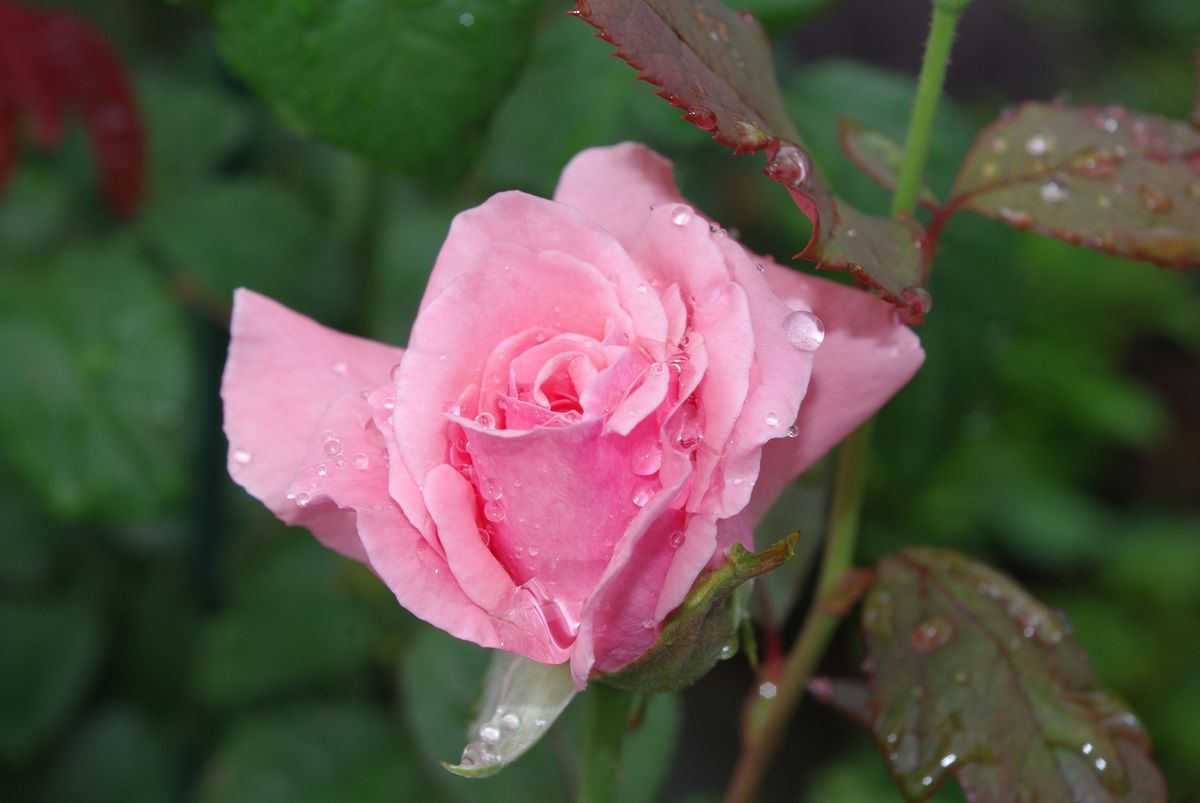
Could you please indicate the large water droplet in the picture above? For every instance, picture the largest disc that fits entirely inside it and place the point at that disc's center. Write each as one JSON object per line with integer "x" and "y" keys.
{"x": 677, "y": 539}
{"x": 1054, "y": 191}
{"x": 333, "y": 447}
{"x": 494, "y": 512}
{"x": 489, "y": 733}
{"x": 771, "y": 419}
{"x": 643, "y": 493}
{"x": 361, "y": 461}
{"x": 767, "y": 690}
{"x": 804, "y": 330}
{"x": 486, "y": 420}
{"x": 647, "y": 460}
{"x": 701, "y": 116}
{"x": 790, "y": 167}
{"x": 793, "y": 431}
{"x": 490, "y": 490}
{"x": 510, "y": 721}
{"x": 681, "y": 216}
{"x": 302, "y": 499}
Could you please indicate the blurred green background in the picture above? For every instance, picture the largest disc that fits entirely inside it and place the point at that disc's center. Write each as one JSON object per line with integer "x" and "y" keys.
{"x": 163, "y": 638}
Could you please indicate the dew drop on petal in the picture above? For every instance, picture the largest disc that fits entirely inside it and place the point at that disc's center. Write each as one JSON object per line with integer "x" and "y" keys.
{"x": 486, "y": 420}
{"x": 361, "y": 461}
{"x": 322, "y": 470}
{"x": 534, "y": 551}
{"x": 648, "y": 623}
{"x": 333, "y": 447}
{"x": 389, "y": 403}
{"x": 303, "y": 499}
{"x": 681, "y": 216}
{"x": 771, "y": 418}
{"x": 804, "y": 330}
{"x": 242, "y": 456}
{"x": 642, "y": 494}
{"x": 677, "y": 539}
{"x": 1054, "y": 191}
{"x": 490, "y": 490}
{"x": 493, "y": 511}
{"x": 793, "y": 431}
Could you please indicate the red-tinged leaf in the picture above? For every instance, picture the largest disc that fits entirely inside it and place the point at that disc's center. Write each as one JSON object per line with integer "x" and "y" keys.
{"x": 29, "y": 87}
{"x": 87, "y": 72}
{"x": 971, "y": 676}
{"x": 1104, "y": 178}
{"x": 8, "y": 136}
{"x": 716, "y": 65}
{"x": 877, "y": 155}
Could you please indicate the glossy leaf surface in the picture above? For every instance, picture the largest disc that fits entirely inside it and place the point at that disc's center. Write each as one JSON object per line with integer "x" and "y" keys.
{"x": 971, "y": 676}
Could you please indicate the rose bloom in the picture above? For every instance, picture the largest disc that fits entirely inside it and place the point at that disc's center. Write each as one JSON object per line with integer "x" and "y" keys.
{"x": 601, "y": 394}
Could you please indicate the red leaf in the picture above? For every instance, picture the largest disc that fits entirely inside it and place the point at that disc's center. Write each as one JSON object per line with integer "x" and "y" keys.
{"x": 8, "y": 136}
{"x": 971, "y": 676}
{"x": 716, "y": 65}
{"x": 52, "y": 60}
{"x": 1103, "y": 178}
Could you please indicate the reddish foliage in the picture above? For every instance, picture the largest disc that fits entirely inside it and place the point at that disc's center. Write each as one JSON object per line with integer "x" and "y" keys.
{"x": 51, "y": 61}
{"x": 716, "y": 65}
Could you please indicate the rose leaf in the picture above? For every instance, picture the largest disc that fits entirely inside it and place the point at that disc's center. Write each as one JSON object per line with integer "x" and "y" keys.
{"x": 971, "y": 676}
{"x": 877, "y": 155}
{"x": 1104, "y": 178}
{"x": 408, "y": 85}
{"x": 716, "y": 65}
{"x": 521, "y": 700}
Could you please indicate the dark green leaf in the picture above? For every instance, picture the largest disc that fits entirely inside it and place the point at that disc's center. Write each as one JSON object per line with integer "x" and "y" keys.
{"x": 971, "y": 676}
{"x": 408, "y": 85}
{"x": 226, "y": 235}
{"x": 716, "y": 65}
{"x": 192, "y": 127}
{"x": 51, "y": 651}
{"x": 114, "y": 758}
{"x": 1104, "y": 178}
{"x": 315, "y": 753}
{"x": 96, "y": 423}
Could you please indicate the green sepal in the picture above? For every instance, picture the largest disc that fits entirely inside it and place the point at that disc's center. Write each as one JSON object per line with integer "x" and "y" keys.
{"x": 704, "y": 628}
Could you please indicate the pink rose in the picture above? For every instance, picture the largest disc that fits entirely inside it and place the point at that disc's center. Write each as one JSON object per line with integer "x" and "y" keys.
{"x": 601, "y": 394}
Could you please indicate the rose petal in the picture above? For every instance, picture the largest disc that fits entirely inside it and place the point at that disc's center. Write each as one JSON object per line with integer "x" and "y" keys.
{"x": 616, "y": 186}
{"x": 283, "y": 372}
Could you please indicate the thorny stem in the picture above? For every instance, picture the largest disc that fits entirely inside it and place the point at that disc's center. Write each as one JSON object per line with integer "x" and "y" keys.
{"x": 762, "y": 733}
{"x": 607, "y": 714}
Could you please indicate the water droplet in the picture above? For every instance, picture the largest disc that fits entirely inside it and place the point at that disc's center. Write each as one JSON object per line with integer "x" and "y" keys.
{"x": 1039, "y": 144}
{"x": 790, "y": 167}
{"x": 389, "y": 403}
{"x": 1054, "y": 191}
{"x": 771, "y": 418}
{"x": 486, "y": 420}
{"x": 1016, "y": 217}
{"x": 701, "y": 116}
{"x": 927, "y": 780}
{"x": 466, "y": 19}
{"x": 648, "y": 623}
{"x": 726, "y": 651}
{"x": 242, "y": 456}
{"x": 361, "y": 461}
{"x": 333, "y": 447}
{"x": 689, "y": 439}
{"x": 534, "y": 551}
{"x": 510, "y": 721}
{"x": 485, "y": 535}
{"x": 643, "y": 289}
{"x": 322, "y": 470}
{"x": 767, "y": 690}
{"x": 948, "y": 759}
{"x": 494, "y": 512}
{"x": 931, "y": 634}
{"x": 759, "y": 267}
{"x": 804, "y": 330}
{"x": 681, "y": 216}
{"x": 489, "y": 733}
{"x": 1101, "y": 764}
{"x": 303, "y": 499}
{"x": 395, "y": 373}
{"x": 1087, "y": 748}
{"x": 1155, "y": 199}
{"x": 490, "y": 490}
{"x": 643, "y": 493}
{"x": 793, "y": 431}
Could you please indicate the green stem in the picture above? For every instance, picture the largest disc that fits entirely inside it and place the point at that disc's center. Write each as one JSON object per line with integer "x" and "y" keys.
{"x": 766, "y": 721}
{"x": 761, "y": 738}
{"x": 929, "y": 88}
{"x": 607, "y": 715}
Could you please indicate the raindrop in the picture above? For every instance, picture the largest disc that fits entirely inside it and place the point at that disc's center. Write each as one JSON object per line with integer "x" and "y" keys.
{"x": 1087, "y": 748}
{"x": 726, "y": 651}
{"x": 395, "y": 374}
{"x": 927, "y": 780}
{"x": 1016, "y": 217}
{"x": 793, "y": 431}
{"x": 242, "y": 456}
{"x": 648, "y": 623}
{"x": 303, "y": 499}
{"x": 804, "y": 330}
{"x": 490, "y": 490}
{"x": 767, "y": 690}
{"x": 1155, "y": 199}
{"x": 681, "y": 216}
{"x": 322, "y": 470}
{"x": 333, "y": 447}
{"x": 466, "y": 19}
{"x": 677, "y": 539}
{"x": 789, "y": 167}
{"x": 1101, "y": 764}
{"x": 1039, "y": 145}
{"x": 539, "y": 723}
{"x": 486, "y": 420}
{"x": 701, "y": 116}
{"x": 643, "y": 289}
{"x": 534, "y": 552}
{"x": 643, "y": 494}
{"x": 931, "y": 634}
{"x": 361, "y": 461}
{"x": 647, "y": 460}
{"x": 493, "y": 512}
{"x": 485, "y": 535}
{"x": 948, "y": 759}
{"x": 489, "y": 733}
{"x": 510, "y": 722}
{"x": 771, "y": 418}
{"x": 1054, "y": 191}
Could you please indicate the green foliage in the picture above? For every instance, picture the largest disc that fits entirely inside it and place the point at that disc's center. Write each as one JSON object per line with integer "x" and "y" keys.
{"x": 408, "y": 85}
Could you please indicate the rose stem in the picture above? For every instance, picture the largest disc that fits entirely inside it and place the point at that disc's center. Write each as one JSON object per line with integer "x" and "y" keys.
{"x": 761, "y": 734}
{"x": 607, "y": 715}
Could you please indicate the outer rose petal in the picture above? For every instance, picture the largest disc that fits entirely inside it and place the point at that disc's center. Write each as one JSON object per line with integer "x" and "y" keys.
{"x": 286, "y": 379}
{"x": 866, "y": 357}
{"x": 617, "y": 185}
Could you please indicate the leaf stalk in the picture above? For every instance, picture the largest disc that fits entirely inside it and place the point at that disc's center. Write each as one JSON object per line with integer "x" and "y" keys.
{"x": 607, "y": 715}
